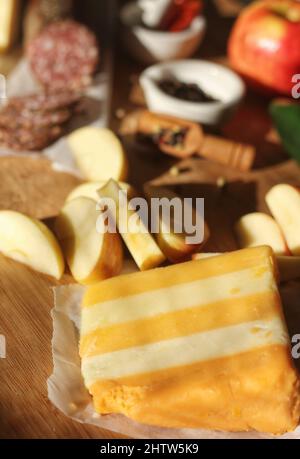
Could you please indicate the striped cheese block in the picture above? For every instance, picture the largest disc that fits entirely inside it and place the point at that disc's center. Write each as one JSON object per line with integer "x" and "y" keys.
{"x": 198, "y": 345}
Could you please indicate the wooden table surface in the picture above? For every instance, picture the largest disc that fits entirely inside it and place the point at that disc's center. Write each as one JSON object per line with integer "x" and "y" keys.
{"x": 26, "y": 298}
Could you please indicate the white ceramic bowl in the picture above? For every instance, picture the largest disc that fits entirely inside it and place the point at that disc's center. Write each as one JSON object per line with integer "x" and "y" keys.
{"x": 216, "y": 80}
{"x": 150, "y": 46}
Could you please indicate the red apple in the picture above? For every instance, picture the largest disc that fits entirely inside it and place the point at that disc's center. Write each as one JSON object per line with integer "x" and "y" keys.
{"x": 264, "y": 45}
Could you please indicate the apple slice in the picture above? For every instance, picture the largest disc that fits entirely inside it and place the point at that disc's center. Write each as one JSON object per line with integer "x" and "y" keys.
{"x": 257, "y": 229}
{"x": 30, "y": 242}
{"x": 137, "y": 238}
{"x": 99, "y": 154}
{"x": 174, "y": 245}
{"x": 284, "y": 203}
{"x": 91, "y": 256}
{"x": 90, "y": 190}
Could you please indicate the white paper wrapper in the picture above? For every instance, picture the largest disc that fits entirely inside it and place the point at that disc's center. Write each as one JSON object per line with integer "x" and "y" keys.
{"x": 96, "y": 108}
{"x": 67, "y": 392}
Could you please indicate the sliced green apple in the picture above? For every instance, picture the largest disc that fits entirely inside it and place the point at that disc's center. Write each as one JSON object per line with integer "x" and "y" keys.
{"x": 30, "y": 242}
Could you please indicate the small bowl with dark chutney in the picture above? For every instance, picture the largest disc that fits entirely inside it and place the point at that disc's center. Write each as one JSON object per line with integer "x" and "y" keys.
{"x": 196, "y": 90}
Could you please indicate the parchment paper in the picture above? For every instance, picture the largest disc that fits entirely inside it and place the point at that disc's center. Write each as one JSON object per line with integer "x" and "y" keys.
{"x": 67, "y": 392}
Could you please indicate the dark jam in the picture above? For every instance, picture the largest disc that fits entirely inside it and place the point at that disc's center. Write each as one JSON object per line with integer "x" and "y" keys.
{"x": 189, "y": 92}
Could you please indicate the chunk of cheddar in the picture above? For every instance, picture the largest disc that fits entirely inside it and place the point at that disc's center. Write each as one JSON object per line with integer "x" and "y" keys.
{"x": 196, "y": 345}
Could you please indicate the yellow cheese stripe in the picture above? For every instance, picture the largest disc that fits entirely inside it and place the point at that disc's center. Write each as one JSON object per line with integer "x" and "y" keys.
{"x": 180, "y": 323}
{"x": 124, "y": 286}
{"x": 240, "y": 392}
{"x": 180, "y": 297}
{"x": 220, "y": 367}
{"x": 184, "y": 350}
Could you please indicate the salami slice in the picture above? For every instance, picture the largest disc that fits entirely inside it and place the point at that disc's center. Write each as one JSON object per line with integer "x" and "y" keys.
{"x": 47, "y": 101}
{"x": 64, "y": 55}
{"x": 29, "y": 140}
{"x": 28, "y": 119}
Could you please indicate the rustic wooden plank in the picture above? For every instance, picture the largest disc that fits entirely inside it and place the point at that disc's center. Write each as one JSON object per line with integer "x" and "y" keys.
{"x": 26, "y": 298}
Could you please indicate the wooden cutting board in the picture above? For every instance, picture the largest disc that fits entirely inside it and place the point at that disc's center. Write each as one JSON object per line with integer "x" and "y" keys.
{"x": 30, "y": 185}
{"x": 26, "y": 297}
{"x": 25, "y": 412}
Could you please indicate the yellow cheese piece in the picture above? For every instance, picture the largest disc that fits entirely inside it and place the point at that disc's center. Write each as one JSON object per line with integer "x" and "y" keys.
{"x": 9, "y": 14}
{"x": 196, "y": 345}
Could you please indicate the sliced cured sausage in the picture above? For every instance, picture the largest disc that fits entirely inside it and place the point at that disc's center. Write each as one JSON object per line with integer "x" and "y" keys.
{"x": 64, "y": 55}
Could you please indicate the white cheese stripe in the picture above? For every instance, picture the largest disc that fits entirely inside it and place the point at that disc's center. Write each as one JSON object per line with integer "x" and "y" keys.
{"x": 184, "y": 351}
{"x": 177, "y": 297}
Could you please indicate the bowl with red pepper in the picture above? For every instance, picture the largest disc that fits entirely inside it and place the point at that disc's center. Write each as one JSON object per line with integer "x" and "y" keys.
{"x": 176, "y": 36}
{"x": 194, "y": 89}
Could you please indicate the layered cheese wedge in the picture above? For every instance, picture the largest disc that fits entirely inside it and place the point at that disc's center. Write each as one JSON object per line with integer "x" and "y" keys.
{"x": 196, "y": 345}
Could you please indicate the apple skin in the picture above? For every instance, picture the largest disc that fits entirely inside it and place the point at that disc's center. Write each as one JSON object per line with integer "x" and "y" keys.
{"x": 264, "y": 45}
